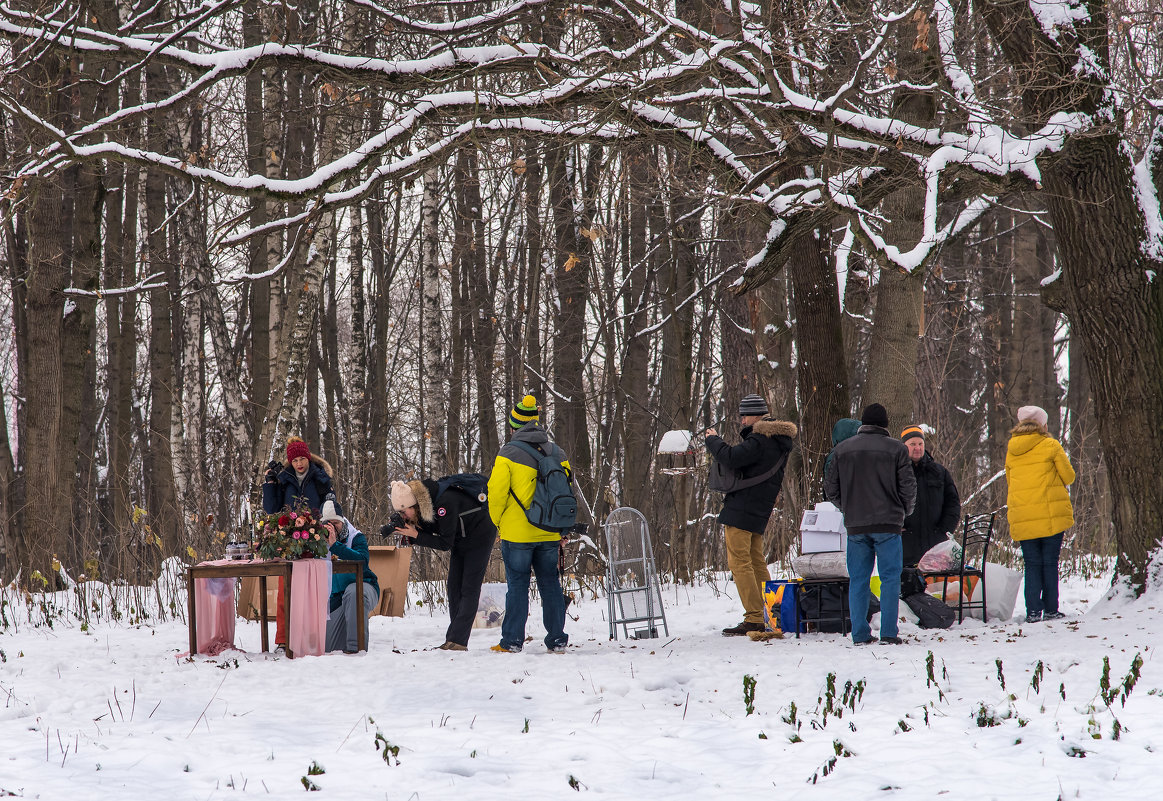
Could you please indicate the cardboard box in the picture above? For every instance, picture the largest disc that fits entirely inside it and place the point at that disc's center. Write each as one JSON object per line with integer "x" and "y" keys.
{"x": 249, "y": 597}
{"x": 390, "y": 563}
{"x": 822, "y": 529}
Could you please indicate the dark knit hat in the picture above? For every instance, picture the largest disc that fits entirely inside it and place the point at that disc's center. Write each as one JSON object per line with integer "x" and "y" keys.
{"x": 524, "y": 412}
{"x": 912, "y": 431}
{"x": 752, "y": 405}
{"x": 874, "y": 415}
{"x": 296, "y": 448}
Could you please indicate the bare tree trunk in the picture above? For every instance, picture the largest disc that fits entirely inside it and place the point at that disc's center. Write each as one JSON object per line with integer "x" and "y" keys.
{"x": 12, "y": 546}
{"x": 376, "y": 480}
{"x": 529, "y": 344}
{"x": 571, "y": 275}
{"x": 677, "y": 377}
{"x": 857, "y": 325}
{"x": 822, "y": 373}
{"x": 1115, "y": 308}
{"x": 636, "y": 420}
{"x": 481, "y": 273}
{"x": 158, "y": 467}
{"x": 433, "y": 372}
{"x": 259, "y": 353}
{"x": 45, "y": 523}
{"x": 120, "y": 318}
{"x": 897, "y": 325}
{"x": 1030, "y": 378}
{"x": 78, "y": 445}
{"x": 300, "y": 341}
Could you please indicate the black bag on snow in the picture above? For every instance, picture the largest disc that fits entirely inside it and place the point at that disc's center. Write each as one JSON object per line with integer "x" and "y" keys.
{"x": 933, "y": 613}
{"x": 912, "y": 582}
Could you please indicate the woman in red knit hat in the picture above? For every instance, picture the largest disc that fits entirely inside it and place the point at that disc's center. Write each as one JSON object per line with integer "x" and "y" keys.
{"x": 305, "y": 479}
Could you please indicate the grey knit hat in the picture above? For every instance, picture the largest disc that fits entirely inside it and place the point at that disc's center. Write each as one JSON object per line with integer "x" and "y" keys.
{"x": 752, "y": 405}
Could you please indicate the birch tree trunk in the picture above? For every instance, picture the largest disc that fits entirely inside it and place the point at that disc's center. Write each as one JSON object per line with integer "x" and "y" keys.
{"x": 433, "y": 370}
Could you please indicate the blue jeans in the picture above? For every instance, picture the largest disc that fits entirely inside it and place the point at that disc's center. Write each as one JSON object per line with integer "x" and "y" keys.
{"x": 342, "y": 631}
{"x": 1041, "y": 557}
{"x": 888, "y": 554}
{"x": 541, "y": 558}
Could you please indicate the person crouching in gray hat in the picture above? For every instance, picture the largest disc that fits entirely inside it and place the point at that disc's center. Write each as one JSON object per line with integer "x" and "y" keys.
{"x": 761, "y": 457}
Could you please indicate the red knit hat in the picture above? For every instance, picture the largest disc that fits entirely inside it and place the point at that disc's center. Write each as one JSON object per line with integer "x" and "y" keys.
{"x": 296, "y": 448}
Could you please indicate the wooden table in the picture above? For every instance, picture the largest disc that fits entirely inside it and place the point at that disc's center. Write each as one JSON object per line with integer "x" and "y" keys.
{"x": 264, "y": 569}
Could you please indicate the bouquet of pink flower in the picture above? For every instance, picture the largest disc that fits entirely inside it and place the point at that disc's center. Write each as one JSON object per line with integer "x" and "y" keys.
{"x": 291, "y": 534}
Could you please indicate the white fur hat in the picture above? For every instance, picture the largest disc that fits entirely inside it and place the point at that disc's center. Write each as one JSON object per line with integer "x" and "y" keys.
{"x": 402, "y": 496}
{"x": 1033, "y": 414}
{"x": 329, "y": 512}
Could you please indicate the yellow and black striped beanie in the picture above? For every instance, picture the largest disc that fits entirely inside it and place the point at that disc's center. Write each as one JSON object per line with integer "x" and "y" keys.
{"x": 912, "y": 431}
{"x": 524, "y": 412}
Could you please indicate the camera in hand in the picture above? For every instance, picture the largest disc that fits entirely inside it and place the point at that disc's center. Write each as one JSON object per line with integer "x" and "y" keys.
{"x": 395, "y": 528}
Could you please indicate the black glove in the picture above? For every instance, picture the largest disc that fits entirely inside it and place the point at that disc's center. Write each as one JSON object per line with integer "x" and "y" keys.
{"x": 387, "y": 531}
{"x": 273, "y": 472}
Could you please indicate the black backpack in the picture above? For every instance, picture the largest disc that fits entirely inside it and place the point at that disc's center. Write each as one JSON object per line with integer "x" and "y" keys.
{"x": 472, "y": 484}
{"x": 932, "y": 613}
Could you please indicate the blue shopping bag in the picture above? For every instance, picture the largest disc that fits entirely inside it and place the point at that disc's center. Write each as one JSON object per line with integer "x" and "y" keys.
{"x": 780, "y": 605}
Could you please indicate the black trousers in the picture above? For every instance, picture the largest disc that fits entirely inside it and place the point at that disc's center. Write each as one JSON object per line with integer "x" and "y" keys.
{"x": 466, "y": 570}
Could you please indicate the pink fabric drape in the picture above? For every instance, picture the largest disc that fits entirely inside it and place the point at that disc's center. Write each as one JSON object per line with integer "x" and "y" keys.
{"x": 214, "y": 603}
{"x": 310, "y": 591}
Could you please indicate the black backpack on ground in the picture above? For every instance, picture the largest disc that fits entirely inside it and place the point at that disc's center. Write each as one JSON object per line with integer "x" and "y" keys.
{"x": 932, "y": 613}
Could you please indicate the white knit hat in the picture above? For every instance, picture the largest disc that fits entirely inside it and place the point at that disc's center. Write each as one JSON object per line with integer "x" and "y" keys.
{"x": 402, "y": 496}
{"x": 1033, "y": 414}
{"x": 329, "y": 512}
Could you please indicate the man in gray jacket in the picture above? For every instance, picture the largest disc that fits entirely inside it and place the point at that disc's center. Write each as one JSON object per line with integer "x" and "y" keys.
{"x": 870, "y": 479}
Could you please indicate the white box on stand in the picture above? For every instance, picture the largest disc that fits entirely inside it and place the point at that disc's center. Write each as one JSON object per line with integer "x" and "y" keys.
{"x": 822, "y": 529}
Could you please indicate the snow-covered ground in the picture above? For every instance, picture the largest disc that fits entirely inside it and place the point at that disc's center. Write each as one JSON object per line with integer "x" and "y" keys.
{"x": 1005, "y": 711}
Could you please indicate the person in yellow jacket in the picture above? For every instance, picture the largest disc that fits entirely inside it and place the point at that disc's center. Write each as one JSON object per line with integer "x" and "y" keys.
{"x": 1037, "y": 473}
{"x": 525, "y": 548}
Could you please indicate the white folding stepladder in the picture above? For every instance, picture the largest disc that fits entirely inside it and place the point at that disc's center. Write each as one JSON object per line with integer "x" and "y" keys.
{"x": 632, "y": 591}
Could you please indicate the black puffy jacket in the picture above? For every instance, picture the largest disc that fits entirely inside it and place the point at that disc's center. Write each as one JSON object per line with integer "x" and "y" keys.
{"x": 871, "y": 481}
{"x": 764, "y": 443}
{"x": 451, "y": 517}
{"x": 937, "y": 511}
{"x": 285, "y": 491}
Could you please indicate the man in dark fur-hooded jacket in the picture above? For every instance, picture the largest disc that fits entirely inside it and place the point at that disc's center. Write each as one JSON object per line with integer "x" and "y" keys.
{"x": 746, "y": 511}
{"x": 451, "y": 514}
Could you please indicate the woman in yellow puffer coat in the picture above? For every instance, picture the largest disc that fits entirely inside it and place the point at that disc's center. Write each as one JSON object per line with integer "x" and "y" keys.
{"x": 1038, "y": 472}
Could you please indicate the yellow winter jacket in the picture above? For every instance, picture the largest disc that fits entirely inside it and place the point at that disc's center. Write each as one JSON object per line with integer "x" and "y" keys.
{"x": 515, "y": 470}
{"x": 1038, "y": 472}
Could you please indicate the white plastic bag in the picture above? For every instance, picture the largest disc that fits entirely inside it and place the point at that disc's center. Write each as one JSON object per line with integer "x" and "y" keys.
{"x": 941, "y": 558}
{"x": 491, "y": 607}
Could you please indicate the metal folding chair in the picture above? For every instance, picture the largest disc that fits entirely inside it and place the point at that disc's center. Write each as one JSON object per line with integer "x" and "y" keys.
{"x": 632, "y": 590}
{"x": 976, "y": 533}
